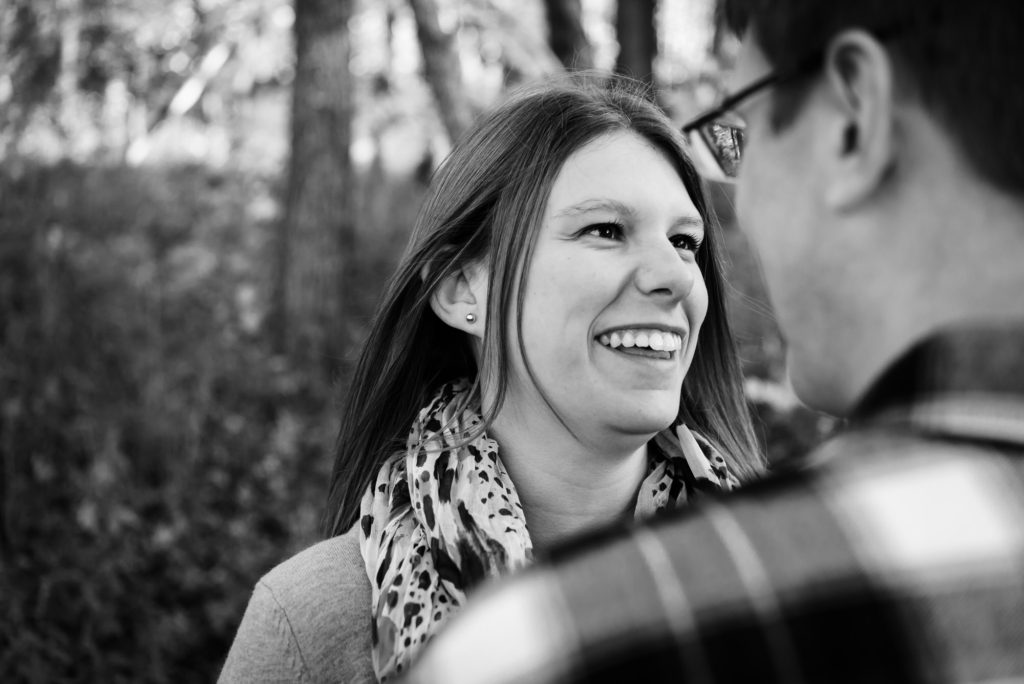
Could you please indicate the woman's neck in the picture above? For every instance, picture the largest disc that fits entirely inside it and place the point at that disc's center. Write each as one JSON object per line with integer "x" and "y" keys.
{"x": 564, "y": 487}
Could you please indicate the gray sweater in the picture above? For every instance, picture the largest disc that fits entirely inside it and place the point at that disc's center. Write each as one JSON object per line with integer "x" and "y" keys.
{"x": 308, "y": 620}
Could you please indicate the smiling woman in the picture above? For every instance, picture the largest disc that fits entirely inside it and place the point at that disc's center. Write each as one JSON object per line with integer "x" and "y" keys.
{"x": 552, "y": 354}
{"x": 615, "y": 258}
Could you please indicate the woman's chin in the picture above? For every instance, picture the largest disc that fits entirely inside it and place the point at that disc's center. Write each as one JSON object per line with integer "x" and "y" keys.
{"x": 649, "y": 422}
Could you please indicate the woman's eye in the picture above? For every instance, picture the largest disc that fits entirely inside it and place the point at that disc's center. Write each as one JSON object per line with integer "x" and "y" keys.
{"x": 690, "y": 243}
{"x": 605, "y": 231}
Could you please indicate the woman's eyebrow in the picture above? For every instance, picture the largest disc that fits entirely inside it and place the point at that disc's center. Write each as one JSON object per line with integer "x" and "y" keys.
{"x": 597, "y": 205}
{"x": 623, "y": 209}
{"x": 688, "y": 222}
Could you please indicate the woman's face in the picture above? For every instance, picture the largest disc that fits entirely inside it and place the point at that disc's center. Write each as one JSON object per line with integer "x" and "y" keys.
{"x": 614, "y": 298}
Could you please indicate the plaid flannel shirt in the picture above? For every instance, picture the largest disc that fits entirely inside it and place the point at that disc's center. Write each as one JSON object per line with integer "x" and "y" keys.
{"x": 894, "y": 553}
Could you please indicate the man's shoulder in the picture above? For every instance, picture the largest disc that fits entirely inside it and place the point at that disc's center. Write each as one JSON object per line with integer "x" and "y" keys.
{"x": 887, "y": 465}
{"x": 869, "y": 445}
{"x": 892, "y": 506}
{"x": 860, "y": 456}
{"x": 817, "y": 564}
{"x": 880, "y": 557}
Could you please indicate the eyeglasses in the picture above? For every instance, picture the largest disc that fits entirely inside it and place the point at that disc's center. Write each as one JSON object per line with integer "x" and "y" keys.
{"x": 716, "y": 137}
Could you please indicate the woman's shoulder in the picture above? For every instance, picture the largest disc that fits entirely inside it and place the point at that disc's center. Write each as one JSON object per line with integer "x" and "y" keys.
{"x": 308, "y": 619}
{"x": 331, "y": 568}
{"x": 324, "y": 591}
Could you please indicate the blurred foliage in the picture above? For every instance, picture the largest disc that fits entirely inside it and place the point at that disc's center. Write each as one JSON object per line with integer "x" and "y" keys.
{"x": 157, "y": 455}
{"x": 154, "y": 452}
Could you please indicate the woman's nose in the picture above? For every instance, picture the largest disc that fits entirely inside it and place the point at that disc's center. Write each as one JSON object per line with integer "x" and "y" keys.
{"x": 662, "y": 271}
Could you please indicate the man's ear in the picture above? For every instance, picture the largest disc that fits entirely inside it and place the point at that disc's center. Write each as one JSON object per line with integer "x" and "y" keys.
{"x": 460, "y": 299}
{"x": 860, "y": 80}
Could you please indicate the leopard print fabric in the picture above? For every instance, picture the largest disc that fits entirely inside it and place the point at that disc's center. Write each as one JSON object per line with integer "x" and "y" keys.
{"x": 443, "y": 517}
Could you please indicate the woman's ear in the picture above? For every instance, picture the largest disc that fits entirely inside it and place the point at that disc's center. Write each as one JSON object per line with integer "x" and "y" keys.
{"x": 460, "y": 299}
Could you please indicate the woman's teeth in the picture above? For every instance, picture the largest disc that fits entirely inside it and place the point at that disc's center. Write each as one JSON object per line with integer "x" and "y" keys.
{"x": 657, "y": 340}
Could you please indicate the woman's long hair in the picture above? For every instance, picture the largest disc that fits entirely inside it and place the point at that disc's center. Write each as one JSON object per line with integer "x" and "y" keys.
{"x": 486, "y": 204}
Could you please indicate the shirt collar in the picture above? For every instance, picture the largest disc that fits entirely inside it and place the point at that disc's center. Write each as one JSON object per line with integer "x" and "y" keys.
{"x": 967, "y": 381}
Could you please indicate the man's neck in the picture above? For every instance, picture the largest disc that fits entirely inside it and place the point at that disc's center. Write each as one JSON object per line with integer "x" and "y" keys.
{"x": 968, "y": 269}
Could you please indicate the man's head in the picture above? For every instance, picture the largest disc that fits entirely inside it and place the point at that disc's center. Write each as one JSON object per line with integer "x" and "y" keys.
{"x": 882, "y": 175}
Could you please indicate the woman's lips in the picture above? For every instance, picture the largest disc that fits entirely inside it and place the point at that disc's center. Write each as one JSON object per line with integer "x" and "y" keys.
{"x": 652, "y": 339}
{"x": 646, "y": 343}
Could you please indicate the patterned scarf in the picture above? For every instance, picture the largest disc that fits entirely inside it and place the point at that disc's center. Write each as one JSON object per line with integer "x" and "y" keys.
{"x": 442, "y": 516}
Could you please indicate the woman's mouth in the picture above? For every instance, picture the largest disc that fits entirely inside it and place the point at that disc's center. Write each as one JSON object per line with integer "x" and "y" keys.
{"x": 645, "y": 342}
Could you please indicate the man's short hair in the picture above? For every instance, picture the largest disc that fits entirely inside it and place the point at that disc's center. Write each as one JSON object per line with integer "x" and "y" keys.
{"x": 963, "y": 60}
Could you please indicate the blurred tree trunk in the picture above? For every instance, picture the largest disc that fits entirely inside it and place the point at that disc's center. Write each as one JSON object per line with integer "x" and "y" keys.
{"x": 69, "y": 113}
{"x": 638, "y": 39}
{"x": 317, "y": 234}
{"x": 442, "y": 68}
{"x": 30, "y": 62}
{"x": 566, "y": 35}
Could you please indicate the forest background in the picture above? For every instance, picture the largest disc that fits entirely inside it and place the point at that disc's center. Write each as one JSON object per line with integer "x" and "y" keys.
{"x": 200, "y": 201}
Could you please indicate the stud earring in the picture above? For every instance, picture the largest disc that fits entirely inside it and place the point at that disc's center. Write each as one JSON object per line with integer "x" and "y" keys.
{"x": 470, "y": 318}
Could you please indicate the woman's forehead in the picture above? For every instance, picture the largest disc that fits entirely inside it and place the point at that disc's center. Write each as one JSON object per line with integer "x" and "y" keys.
{"x": 620, "y": 173}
